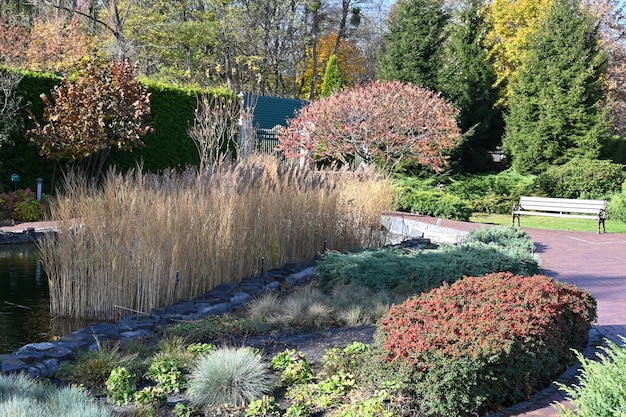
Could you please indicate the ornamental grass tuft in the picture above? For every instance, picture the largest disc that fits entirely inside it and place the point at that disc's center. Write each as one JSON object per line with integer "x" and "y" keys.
{"x": 228, "y": 376}
{"x": 21, "y": 397}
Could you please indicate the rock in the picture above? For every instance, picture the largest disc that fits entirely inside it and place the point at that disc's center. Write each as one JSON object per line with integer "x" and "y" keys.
{"x": 42, "y": 360}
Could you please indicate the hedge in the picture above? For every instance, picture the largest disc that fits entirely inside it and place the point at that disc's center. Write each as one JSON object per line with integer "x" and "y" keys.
{"x": 168, "y": 146}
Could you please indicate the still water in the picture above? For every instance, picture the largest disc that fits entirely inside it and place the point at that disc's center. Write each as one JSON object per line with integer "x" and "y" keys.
{"x": 24, "y": 300}
{"x": 24, "y": 303}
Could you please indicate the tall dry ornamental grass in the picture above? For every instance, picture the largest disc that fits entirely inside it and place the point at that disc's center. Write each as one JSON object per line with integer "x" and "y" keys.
{"x": 121, "y": 244}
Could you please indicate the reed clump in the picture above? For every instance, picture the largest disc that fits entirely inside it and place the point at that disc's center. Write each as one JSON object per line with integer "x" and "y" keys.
{"x": 121, "y": 243}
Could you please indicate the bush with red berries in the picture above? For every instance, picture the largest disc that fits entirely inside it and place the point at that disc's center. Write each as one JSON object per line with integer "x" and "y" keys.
{"x": 483, "y": 343}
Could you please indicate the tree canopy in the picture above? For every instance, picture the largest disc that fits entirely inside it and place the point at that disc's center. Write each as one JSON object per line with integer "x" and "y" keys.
{"x": 383, "y": 122}
{"x": 103, "y": 108}
{"x": 512, "y": 23}
{"x": 467, "y": 78}
{"x": 333, "y": 80}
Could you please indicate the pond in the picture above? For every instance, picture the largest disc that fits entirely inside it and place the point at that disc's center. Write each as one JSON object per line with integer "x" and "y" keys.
{"x": 24, "y": 300}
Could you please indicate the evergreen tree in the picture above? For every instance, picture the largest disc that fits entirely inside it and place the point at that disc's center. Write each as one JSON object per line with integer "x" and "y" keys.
{"x": 555, "y": 111}
{"x": 413, "y": 44}
{"x": 466, "y": 79}
{"x": 333, "y": 80}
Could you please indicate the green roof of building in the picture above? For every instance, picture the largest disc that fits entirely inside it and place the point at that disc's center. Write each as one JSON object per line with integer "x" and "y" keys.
{"x": 272, "y": 111}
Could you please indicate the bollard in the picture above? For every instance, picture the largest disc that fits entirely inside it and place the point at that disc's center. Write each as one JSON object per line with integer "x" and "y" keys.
{"x": 15, "y": 179}
{"x": 39, "y": 187}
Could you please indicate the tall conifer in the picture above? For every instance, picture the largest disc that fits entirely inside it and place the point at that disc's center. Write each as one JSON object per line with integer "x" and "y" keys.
{"x": 413, "y": 44}
{"x": 555, "y": 108}
{"x": 466, "y": 79}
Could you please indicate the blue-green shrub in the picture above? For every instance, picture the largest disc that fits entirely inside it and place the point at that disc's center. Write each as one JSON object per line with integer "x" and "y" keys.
{"x": 408, "y": 272}
{"x": 21, "y": 396}
{"x": 228, "y": 376}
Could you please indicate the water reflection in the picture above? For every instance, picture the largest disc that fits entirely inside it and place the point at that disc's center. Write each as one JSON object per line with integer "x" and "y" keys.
{"x": 24, "y": 300}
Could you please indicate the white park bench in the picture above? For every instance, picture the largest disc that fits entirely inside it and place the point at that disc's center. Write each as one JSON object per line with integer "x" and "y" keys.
{"x": 560, "y": 207}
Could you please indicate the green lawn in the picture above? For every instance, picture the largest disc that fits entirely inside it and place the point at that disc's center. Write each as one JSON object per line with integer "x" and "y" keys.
{"x": 553, "y": 223}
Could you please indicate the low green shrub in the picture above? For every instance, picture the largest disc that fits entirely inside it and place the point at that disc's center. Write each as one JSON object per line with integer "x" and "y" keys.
{"x": 150, "y": 396}
{"x": 293, "y": 366}
{"x": 228, "y": 376}
{"x": 23, "y": 206}
{"x": 265, "y": 406}
{"x": 182, "y": 410}
{"x": 212, "y": 327}
{"x": 21, "y": 396}
{"x": 405, "y": 272}
{"x": 347, "y": 359}
{"x": 121, "y": 386}
{"x": 600, "y": 392}
{"x": 483, "y": 343}
{"x": 331, "y": 391}
{"x": 616, "y": 208}
{"x": 492, "y": 193}
{"x": 169, "y": 374}
{"x": 200, "y": 348}
{"x": 374, "y": 406}
{"x": 436, "y": 204}
{"x": 582, "y": 178}
{"x": 488, "y": 193}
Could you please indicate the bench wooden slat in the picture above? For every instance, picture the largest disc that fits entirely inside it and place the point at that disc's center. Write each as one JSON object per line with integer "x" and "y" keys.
{"x": 573, "y": 216}
{"x": 560, "y": 207}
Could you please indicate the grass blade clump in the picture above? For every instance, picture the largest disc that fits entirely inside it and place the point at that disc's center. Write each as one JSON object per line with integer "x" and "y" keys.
{"x": 228, "y": 376}
{"x": 91, "y": 369}
{"x": 21, "y": 396}
{"x": 122, "y": 243}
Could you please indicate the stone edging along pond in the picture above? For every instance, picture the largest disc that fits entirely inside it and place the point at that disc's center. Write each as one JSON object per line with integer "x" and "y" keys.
{"x": 42, "y": 360}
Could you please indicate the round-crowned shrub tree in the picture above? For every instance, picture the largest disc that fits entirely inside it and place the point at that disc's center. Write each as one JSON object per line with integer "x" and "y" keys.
{"x": 228, "y": 376}
{"x": 484, "y": 343}
{"x": 383, "y": 122}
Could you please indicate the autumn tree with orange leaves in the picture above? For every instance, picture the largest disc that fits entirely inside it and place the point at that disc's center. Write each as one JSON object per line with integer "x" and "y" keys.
{"x": 350, "y": 59}
{"x": 383, "y": 123}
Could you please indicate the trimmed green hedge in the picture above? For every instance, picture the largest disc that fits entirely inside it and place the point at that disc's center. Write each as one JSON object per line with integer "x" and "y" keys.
{"x": 168, "y": 146}
{"x": 436, "y": 204}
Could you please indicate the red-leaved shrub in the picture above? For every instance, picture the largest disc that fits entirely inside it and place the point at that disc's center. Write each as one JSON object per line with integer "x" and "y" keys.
{"x": 484, "y": 343}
